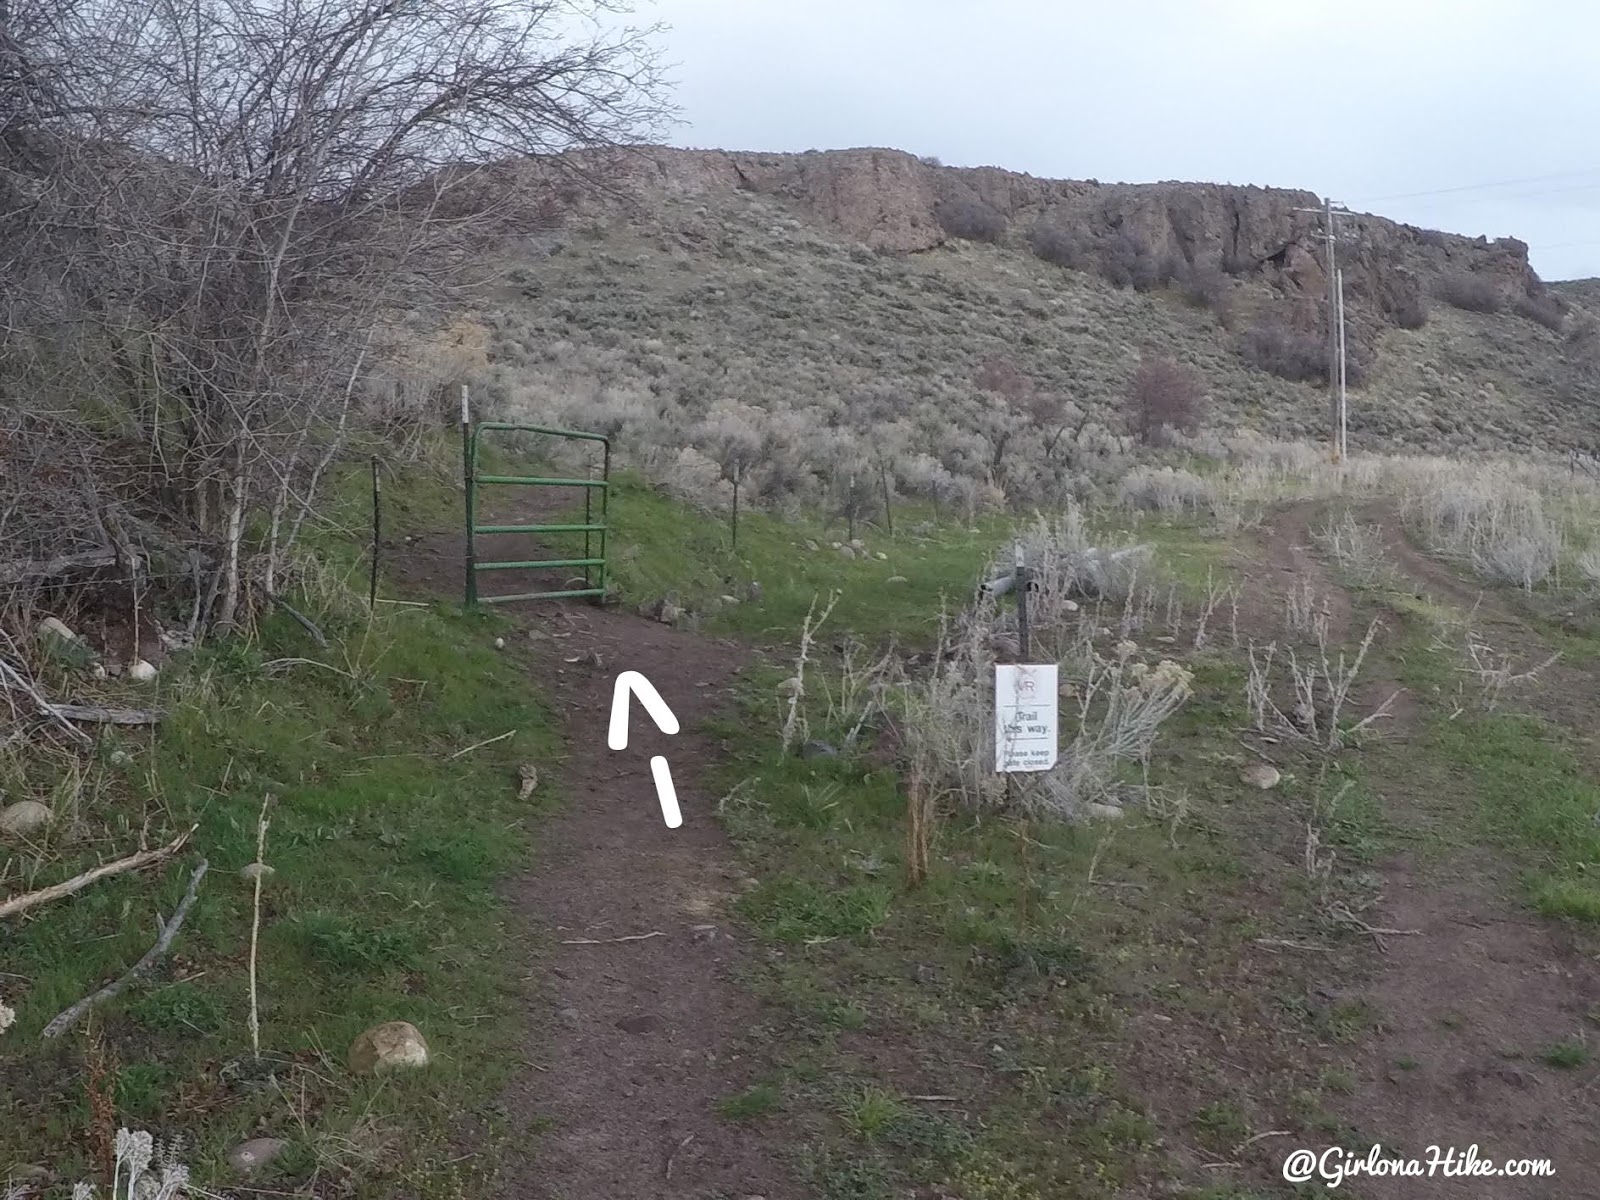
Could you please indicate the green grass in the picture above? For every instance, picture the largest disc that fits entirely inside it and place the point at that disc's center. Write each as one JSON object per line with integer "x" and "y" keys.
{"x": 661, "y": 546}
{"x": 1536, "y": 797}
{"x": 1567, "y": 1055}
{"x": 1018, "y": 972}
{"x": 753, "y": 1102}
{"x": 386, "y": 851}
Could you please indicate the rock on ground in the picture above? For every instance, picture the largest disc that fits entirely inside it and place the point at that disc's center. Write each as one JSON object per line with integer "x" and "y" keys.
{"x": 388, "y": 1046}
{"x": 256, "y": 1153}
{"x": 24, "y": 818}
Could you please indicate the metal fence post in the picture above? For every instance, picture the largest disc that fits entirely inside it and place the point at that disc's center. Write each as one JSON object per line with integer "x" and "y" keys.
{"x": 469, "y": 481}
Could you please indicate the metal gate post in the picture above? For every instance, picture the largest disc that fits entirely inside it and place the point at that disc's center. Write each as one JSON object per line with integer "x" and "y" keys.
{"x": 469, "y": 443}
{"x": 594, "y": 587}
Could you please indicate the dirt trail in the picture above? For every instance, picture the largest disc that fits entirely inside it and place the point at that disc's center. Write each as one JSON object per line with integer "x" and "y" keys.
{"x": 631, "y": 1042}
{"x": 1466, "y": 1002}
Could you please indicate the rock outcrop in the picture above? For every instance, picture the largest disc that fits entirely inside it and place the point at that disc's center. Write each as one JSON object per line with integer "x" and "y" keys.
{"x": 890, "y": 202}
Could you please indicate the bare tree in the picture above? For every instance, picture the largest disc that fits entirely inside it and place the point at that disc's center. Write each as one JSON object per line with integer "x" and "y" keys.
{"x": 1002, "y": 421}
{"x": 220, "y": 213}
{"x": 878, "y": 421}
{"x": 1162, "y": 395}
{"x": 734, "y": 436}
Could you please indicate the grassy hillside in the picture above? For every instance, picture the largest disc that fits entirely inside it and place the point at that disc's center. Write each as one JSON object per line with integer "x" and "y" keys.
{"x": 653, "y": 322}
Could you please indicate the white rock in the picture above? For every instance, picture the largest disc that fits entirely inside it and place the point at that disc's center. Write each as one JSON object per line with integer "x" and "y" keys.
{"x": 1261, "y": 775}
{"x": 389, "y": 1046}
{"x": 141, "y": 671}
{"x": 897, "y": 579}
{"x": 51, "y": 628}
{"x": 1105, "y": 812}
{"x": 847, "y": 551}
{"x": 499, "y": 643}
{"x": 24, "y": 818}
{"x": 251, "y": 871}
{"x": 98, "y": 671}
{"x": 881, "y": 556}
{"x": 791, "y": 686}
{"x": 857, "y": 544}
{"x": 730, "y": 599}
{"x": 257, "y": 1152}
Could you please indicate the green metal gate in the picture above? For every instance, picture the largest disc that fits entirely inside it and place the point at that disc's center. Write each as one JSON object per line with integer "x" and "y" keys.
{"x": 593, "y": 561}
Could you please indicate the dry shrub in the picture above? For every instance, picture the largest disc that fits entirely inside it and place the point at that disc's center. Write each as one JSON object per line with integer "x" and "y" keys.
{"x": 1117, "y": 703}
{"x": 1469, "y": 292}
{"x": 1492, "y": 521}
{"x": 1166, "y": 490}
{"x": 1410, "y": 311}
{"x": 970, "y": 218}
{"x": 1544, "y": 309}
{"x": 1356, "y": 547}
{"x": 1127, "y": 260}
{"x": 1201, "y": 286}
{"x": 1057, "y": 244}
{"x": 1163, "y": 395}
{"x": 1287, "y": 353}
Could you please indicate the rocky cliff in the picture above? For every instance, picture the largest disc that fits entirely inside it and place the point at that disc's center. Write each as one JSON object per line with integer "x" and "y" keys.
{"x": 893, "y": 202}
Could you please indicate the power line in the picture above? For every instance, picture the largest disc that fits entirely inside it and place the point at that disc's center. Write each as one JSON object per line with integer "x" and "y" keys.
{"x": 1478, "y": 187}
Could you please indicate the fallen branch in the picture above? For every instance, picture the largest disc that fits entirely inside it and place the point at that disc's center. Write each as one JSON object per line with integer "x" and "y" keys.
{"x": 1287, "y": 944}
{"x": 1341, "y": 913}
{"x": 1233, "y": 1155}
{"x": 673, "y": 1157}
{"x": 169, "y": 930}
{"x": 15, "y": 571}
{"x": 632, "y": 937}
{"x": 14, "y": 679}
{"x": 77, "y": 883}
{"x": 282, "y": 664}
{"x": 109, "y": 716}
{"x": 303, "y": 621}
{"x": 482, "y": 744}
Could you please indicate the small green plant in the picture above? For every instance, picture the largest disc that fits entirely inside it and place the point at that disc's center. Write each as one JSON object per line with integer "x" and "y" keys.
{"x": 872, "y": 1112}
{"x": 1566, "y": 1055}
{"x": 985, "y": 1176}
{"x": 796, "y": 911}
{"x": 753, "y": 1102}
{"x": 1574, "y": 899}
{"x": 1338, "y": 1080}
{"x": 182, "y": 1006}
{"x": 342, "y": 944}
{"x": 1221, "y": 1123}
{"x": 1349, "y": 1020}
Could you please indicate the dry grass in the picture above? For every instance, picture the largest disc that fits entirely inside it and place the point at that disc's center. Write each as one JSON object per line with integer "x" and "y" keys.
{"x": 1490, "y": 520}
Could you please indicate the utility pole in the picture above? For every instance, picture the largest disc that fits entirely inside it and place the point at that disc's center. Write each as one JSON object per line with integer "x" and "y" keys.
{"x": 1336, "y": 371}
{"x": 1343, "y": 448}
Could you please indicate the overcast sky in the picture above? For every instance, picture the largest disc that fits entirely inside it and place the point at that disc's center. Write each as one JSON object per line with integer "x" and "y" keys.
{"x": 1369, "y": 101}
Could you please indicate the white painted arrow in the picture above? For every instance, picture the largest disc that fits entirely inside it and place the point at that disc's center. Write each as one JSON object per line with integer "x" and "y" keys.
{"x": 631, "y": 683}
